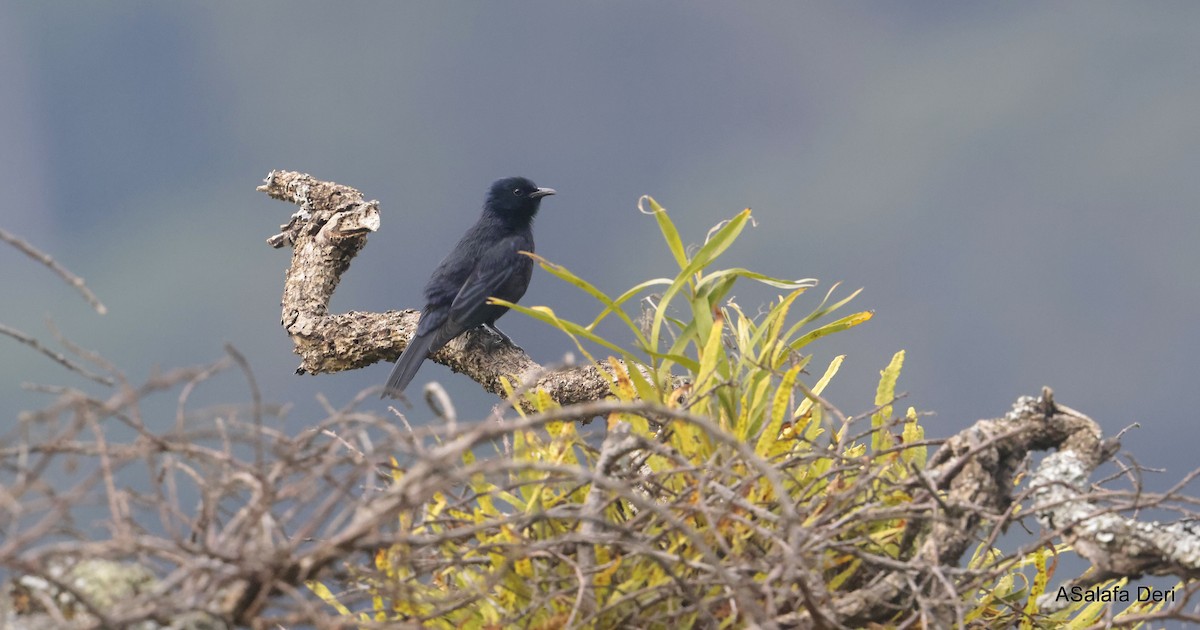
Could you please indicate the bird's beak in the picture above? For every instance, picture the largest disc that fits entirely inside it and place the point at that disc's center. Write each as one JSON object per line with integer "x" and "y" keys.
{"x": 542, "y": 192}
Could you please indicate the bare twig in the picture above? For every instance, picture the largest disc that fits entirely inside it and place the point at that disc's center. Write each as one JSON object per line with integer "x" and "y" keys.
{"x": 63, "y": 272}
{"x": 57, "y": 357}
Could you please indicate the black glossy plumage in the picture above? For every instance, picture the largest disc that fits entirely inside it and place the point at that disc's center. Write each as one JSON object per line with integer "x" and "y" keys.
{"x": 483, "y": 264}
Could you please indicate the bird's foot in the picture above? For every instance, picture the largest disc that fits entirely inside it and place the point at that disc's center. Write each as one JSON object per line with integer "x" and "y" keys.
{"x": 490, "y": 342}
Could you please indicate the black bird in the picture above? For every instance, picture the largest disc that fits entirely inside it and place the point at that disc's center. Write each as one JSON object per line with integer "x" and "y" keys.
{"x": 484, "y": 264}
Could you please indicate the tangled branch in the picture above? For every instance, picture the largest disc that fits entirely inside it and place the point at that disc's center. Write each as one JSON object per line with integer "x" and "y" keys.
{"x": 111, "y": 517}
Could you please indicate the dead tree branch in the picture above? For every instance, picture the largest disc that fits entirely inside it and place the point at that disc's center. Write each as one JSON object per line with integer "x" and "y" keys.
{"x": 969, "y": 488}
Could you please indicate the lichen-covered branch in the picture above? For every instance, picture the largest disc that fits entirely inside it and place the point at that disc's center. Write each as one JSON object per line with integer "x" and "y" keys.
{"x": 327, "y": 232}
{"x": 967, "y": 494}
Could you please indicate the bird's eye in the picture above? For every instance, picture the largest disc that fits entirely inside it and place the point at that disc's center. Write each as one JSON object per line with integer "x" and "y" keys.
{"x": 518, "y": 192}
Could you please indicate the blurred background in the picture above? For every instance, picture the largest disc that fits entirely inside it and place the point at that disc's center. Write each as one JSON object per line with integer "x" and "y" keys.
{"x": 1014, "y": 185}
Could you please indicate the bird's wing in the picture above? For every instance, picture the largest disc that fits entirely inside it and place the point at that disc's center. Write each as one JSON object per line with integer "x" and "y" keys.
{"x": 470, "y": 307}
{"x": 432, "y": 318}
{"x": 438, "y": 325}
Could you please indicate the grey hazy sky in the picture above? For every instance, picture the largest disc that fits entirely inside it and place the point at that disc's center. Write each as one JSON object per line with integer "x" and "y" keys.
{"x": 1015, "y": 185}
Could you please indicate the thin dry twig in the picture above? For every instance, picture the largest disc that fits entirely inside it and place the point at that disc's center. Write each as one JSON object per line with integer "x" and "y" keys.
{"x": 63, "y": 272}
{"x": 57, "y": 357}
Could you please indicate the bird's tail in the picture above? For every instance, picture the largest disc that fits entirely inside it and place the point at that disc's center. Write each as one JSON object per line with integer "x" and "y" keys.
{"x": 407, "y": 365}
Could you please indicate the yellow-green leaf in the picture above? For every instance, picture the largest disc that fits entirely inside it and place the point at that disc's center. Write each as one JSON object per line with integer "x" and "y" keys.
{"x": 573, "y": 330}
{"x": 327, "y": 596}
{"x": 822, "y": 309}
{"x": 562, "y": 273}
{"x": 779, "y": 409}
{"x": 713, "y": 350}
{"x": 720, "y": 240}
{"x": 884, "y": 395}
{"x": 626, "y": 296}
{"x": 833, "y": 368}
{"x": 849, "y": 321}
{"x": 1040, "y": 579}
{"x": 670, "y": 234}
{"x": 913, "y": 433}
{"x": 778, "y": 283}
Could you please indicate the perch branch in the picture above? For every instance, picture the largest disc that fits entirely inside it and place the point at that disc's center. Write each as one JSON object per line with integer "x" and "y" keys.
{"x": 327, "y": 232}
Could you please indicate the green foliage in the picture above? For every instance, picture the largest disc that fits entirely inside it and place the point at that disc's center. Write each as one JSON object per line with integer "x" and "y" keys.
{"x": 718, "y": 346}
{"x": 739, "y": 483}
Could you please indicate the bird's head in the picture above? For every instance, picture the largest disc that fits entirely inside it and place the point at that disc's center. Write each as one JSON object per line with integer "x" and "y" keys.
{"x": 516, "y": 198}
